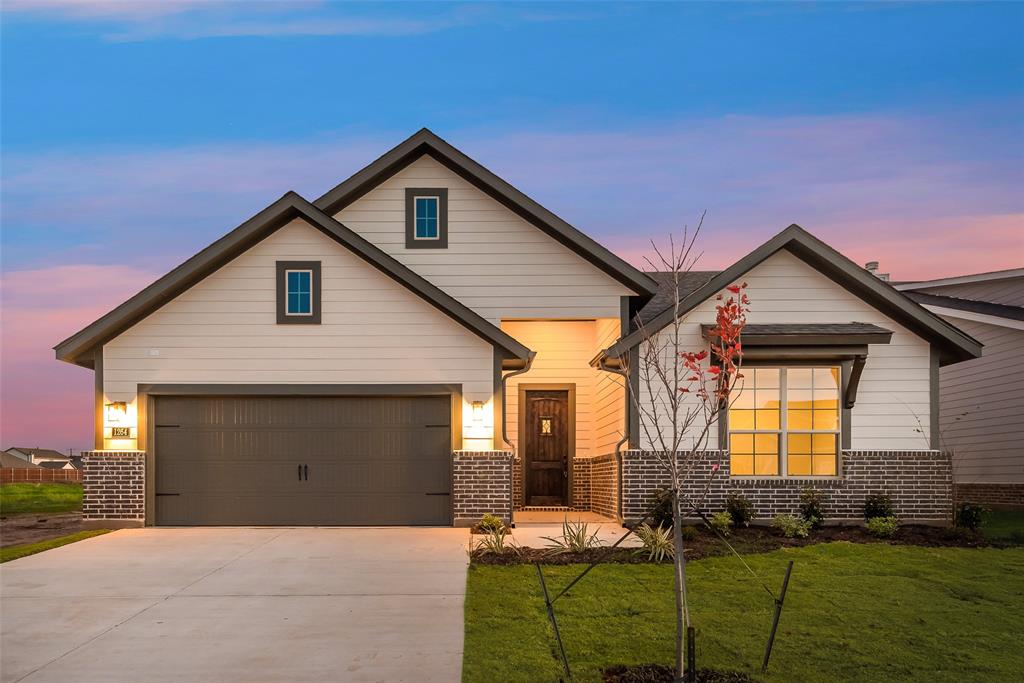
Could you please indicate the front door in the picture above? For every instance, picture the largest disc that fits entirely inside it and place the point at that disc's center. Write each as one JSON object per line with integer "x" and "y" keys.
{"x": 546, "y": 447}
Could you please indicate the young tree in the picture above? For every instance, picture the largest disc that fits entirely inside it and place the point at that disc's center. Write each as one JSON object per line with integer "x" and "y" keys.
{"x": 685, "y": 384}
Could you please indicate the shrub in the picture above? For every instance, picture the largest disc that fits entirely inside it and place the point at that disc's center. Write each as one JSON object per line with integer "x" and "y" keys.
{"x": 689, "y": 533}
{"x": 661, "y": 511}
{"x": 490, "y": 523}
{"x": 878, "y": 505}
{"x": 883, "y": 527}
{"x": 739, "y": 508}
{"x": 971, "y": 516}
{"x": 721, "y": 522}
{"x": 657, "y": 542}
{"x": 493, "y": 541}
{"x": 576, "y": 538}
{"x": 791, "y": 526}
{"x": 812, "y": 506}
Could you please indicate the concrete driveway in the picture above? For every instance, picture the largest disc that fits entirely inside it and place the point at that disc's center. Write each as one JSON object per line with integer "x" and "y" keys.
{"x": 216, "y": 604}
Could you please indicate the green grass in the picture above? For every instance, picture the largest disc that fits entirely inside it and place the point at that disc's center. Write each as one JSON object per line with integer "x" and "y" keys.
{"x": 16, "y": 551}
{"x": 1004, "y": 525}
{"x": 23, "y": 498}
{"x": 866, "y": 612}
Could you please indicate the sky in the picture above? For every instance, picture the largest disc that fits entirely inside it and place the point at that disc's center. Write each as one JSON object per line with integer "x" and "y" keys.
{"x": 132, "y": 134}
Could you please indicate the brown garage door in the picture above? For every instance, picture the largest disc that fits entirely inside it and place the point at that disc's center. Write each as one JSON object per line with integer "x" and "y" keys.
{"x": 303, "y": 460}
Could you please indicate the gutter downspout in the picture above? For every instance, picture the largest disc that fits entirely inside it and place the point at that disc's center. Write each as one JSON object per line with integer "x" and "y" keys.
{"x": 602, "y": 364}
{"x": 504, "y": 434}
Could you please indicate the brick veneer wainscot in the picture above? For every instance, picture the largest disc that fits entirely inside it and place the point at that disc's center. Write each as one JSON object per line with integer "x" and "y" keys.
{"x": 481, "y": 483}
{"x": 114, "y": 487}
{"x": 1008, "y": 495}
{"x": 919, "y": 482}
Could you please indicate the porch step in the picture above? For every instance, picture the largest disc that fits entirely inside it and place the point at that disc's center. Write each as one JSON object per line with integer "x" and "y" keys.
{"x": 546, "y": 508}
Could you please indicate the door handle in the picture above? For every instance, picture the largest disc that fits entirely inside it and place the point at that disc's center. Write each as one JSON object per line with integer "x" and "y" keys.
{"x": 306, "y": 469}
{"x": 300, "y": 472}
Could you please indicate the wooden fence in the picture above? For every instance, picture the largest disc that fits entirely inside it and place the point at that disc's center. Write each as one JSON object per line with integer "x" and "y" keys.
{"x": 12, "y": 475}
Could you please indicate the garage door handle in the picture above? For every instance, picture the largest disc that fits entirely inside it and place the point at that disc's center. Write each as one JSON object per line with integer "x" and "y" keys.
{"x": 306, "y": 469}
{"x": 300, "y": 472}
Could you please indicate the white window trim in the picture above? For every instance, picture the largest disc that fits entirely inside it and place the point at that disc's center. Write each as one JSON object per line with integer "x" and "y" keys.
{"x": 286, "y": 311}
{"x": 437, "y": 219}
{"x": 783, "y": 454}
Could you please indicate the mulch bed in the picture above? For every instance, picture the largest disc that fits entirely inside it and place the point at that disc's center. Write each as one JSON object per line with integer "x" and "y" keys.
{"x": 36, "y": 526}
{"x": 750, "y": 540}
{"x": 656, "y": 673}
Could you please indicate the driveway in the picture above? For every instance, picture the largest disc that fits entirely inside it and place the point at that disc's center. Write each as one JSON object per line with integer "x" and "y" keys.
{"x": 257, "y": 604}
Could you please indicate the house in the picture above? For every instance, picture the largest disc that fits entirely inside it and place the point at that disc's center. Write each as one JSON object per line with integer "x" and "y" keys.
{"x": 982, "y": 401}
{"x": 12, "y": 461}
{"x": 424, "y": 344}
{"x": 38, "y": 456}
{"x": 57, "y": 465}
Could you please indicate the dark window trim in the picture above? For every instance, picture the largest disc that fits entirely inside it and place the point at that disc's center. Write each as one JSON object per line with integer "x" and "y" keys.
{"x": 282, "y": 305}
{"x": 411, "y": 193}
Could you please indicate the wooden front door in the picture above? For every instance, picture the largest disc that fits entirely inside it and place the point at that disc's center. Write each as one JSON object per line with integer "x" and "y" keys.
{"x": 546, "y": 446}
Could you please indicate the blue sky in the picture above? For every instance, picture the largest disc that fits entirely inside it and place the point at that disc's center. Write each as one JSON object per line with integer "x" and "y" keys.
{"x": 135, "y": 133}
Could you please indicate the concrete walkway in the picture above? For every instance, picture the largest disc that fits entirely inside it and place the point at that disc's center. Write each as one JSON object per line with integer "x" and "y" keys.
{"x": 294, "y": 604}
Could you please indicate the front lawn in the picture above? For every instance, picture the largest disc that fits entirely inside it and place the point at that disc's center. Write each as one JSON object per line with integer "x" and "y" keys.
{"x": 17, "y": 551}
{"x": 49, "y": 497}
{"x": 1005, "y": 526}
{"x": 866, "y": 612}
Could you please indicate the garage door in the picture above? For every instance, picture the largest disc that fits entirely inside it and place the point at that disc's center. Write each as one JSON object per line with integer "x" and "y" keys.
{"x": 303, "y": 460}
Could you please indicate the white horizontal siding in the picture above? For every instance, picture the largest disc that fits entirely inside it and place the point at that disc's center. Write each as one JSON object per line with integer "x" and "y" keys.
{"x": 609, "y": 394}
{"x": 224, "y": 330}
{"x": 496, "y": 263}
{"x": 893, "y": 401}
{"x": 564, "y": 350}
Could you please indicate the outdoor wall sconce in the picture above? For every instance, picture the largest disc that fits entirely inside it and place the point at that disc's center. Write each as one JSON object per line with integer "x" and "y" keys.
{"x": 116, "y": 412}
{"x": 478, "y": 411}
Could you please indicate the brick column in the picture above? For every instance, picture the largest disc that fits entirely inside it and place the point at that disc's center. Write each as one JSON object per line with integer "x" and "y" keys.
{"x": 481, "y": 483}
{"x": 113, "y": 489}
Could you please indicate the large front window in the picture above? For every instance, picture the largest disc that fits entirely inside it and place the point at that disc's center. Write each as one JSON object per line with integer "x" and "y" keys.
{"x": 785, "y": 421}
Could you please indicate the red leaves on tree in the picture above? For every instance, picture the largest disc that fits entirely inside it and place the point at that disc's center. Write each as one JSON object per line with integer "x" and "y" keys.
{"x": 714, "y": 382}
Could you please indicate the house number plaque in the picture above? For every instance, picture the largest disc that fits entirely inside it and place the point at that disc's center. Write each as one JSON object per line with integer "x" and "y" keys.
{"x": 120, "y": 432}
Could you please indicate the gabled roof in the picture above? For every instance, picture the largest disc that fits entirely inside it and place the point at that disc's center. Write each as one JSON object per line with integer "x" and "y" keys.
{"x": 426, "y": 142}
{"x": 962, "y": 279}
{"x": 971, "y": 305}
{"x": 39, "y": 452}
{"x": 78, "y": 347}
{"x": 953, "y": 344}
{"x": 12, "y": 461}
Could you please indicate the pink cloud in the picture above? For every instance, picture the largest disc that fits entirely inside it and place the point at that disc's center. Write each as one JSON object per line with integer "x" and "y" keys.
{"x": 45, "y": 402}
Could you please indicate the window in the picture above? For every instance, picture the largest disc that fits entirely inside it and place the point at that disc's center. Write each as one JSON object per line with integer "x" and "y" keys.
{"x": 785, "y": 420}
{"x": 298, "y": 292}
{"x": 426, "y": 219}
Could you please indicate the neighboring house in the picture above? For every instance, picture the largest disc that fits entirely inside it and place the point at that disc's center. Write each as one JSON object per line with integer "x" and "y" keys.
{"x": 982, "y": 401}
{"x": 39, "y": 456}
{"x": 424, "y": 344}
{"x": 57, "y": 465}
{"x": 12, "y": 461}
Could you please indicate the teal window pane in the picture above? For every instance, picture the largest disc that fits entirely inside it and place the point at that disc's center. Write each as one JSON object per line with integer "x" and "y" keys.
{"x": 426, "y": 217}
{"x": 299, "y": 294}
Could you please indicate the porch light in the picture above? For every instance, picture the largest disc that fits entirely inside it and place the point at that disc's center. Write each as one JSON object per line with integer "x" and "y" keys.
{"x": 117, "y": 412}
{"x": 478, "y": 411}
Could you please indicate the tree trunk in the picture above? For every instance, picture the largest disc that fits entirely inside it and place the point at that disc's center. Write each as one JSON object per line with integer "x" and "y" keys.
{"x": 682, "y": 611}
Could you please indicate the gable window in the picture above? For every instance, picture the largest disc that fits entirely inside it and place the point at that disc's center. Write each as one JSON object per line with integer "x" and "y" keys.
{"x": 426, "y": 218}
{"x": 786, "y": 422}
{"x": 298, "y": 292}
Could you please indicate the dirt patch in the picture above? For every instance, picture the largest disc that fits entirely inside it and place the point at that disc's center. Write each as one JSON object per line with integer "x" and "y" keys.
{"x": 656, "y": 673}
{"x": 31, "y": 528}
{"x": 749, "y": 540}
